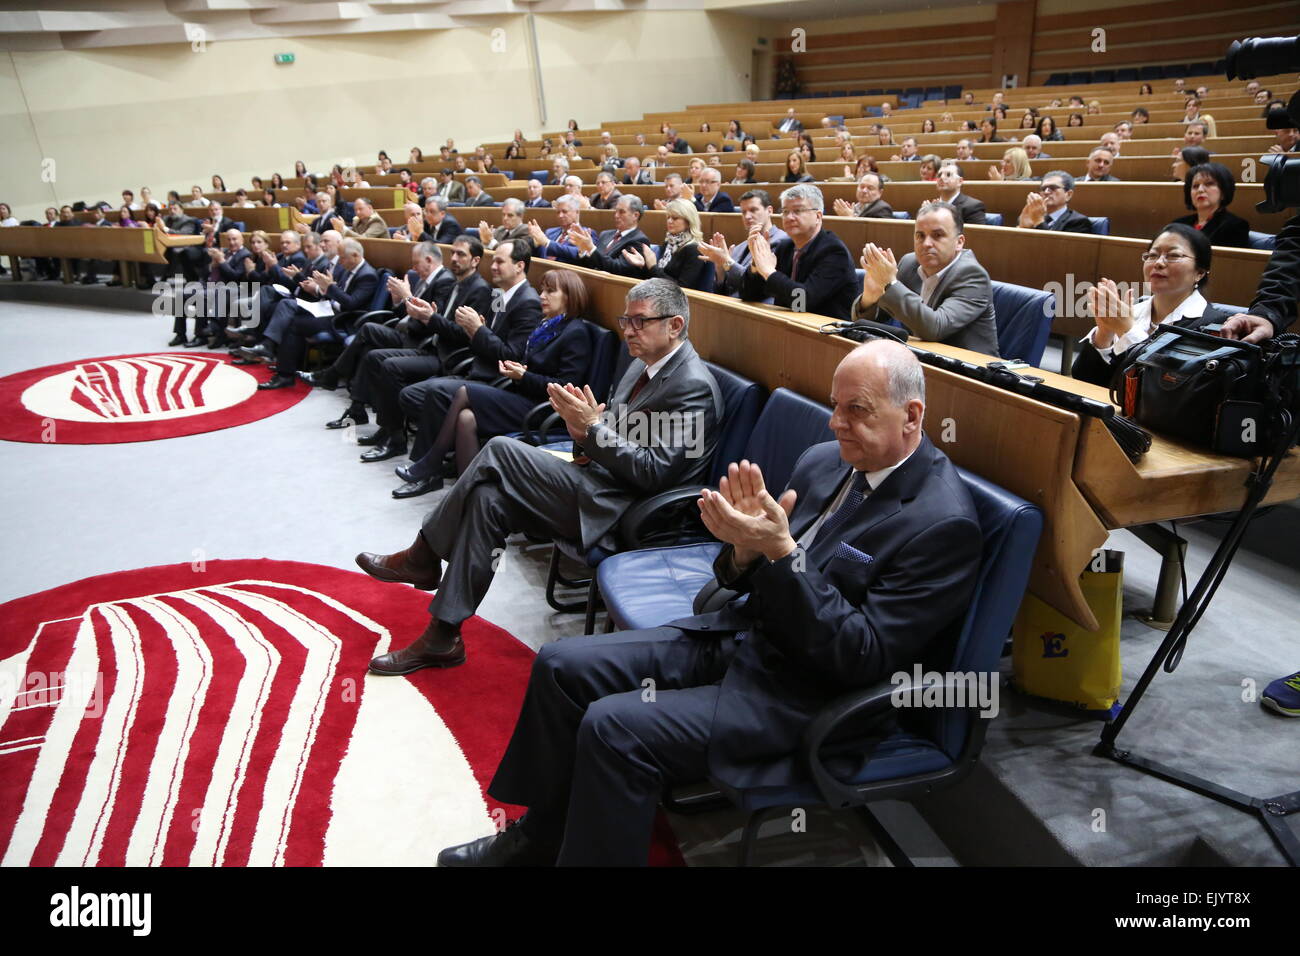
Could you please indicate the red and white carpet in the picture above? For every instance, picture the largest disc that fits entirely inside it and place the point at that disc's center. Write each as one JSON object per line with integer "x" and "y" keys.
{"x": 126, "y": 398}
{"x": 223, "y": 717}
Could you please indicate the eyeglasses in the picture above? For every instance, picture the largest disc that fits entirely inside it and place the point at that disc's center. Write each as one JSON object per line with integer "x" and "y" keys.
{"x": 795, "y": 212}
{"x": 1052, "y": 189}
{"x": 638, "y": 321}
{"x": 1173, "y": 258}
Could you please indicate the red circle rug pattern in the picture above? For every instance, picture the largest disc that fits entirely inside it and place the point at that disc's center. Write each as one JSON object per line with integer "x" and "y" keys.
{"x": 128, "y": 398}
{"x": 223, "y": 716}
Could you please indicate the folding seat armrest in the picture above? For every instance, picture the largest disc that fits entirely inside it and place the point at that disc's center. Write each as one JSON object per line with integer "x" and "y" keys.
{"x": 662, "y": 518}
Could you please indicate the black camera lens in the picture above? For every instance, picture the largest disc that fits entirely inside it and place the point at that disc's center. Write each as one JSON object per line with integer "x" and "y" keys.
{"x": 1256, "y": 56}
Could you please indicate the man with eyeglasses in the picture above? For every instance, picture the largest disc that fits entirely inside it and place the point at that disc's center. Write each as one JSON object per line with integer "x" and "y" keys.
{"x": 811, "y": 271}
{"x": 659, "y": 433}
{"x": 1049, "y": 207}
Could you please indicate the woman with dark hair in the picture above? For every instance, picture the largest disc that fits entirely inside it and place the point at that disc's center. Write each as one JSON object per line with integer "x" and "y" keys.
{"x": 1208, "y": 190}
{"x": 734, "y": 131}
{"x": 1145, "y": 90}
{"x": 989, "y": 131}
{"x": 1000, "y": 113}
{"x": 123, "y": 217}
{"x": 299, "y": 169}
{"x": 796, "y": 169}
{"x": 1185, "y": 157}
{"x": 705, "y": 127}
{"x": 559, "y": 351}
{"x": 268, "y": 197}
{"x": 1076, "y": 119}
{"x": 382, "y": 155}
{"x": 927, "y": 125}
{"x": 514, "y": 151}
{"x": 1175, "y": 267}
{"x": 417, "y": 155}
{"x": 1047, "y": 131}
{"x": 218, "y": 184}
{"x": 256, "y": 183}
{"x": 1029, "y": 119}
{"x": 1140, "y": 115}
{"x": 746, "y": 172}
{"x": 885, "y": 137}
{"x": 573, "y": 125}
{"x": 277, "y": 181}
{"x": 806, "y": 147}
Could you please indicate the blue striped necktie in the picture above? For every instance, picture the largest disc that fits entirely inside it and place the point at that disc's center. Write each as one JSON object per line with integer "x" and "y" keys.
{"x": 859, "y": 488}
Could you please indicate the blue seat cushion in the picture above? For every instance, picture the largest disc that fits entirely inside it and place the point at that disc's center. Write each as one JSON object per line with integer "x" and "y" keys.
{"x": 667, "y": 581}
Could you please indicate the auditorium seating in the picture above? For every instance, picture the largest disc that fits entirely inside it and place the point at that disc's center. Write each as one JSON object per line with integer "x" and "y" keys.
{"x": 1024, "y": 320}
{"x": 652, "y": 586}
{"x": 935, "y": 747}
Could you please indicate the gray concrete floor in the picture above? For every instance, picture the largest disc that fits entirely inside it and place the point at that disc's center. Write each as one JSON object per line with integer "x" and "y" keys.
{"x": 284, "y": 487}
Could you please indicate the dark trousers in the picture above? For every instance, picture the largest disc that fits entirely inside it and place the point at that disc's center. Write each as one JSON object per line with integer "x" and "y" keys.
{"x": 509, "y": 487}
{"x": 370, "y": 336}
{"x": 426, "y": 403}
{"x": 607, "y": 722}
{"x": 385, "y": 372}
{"x": 293, "y": 343}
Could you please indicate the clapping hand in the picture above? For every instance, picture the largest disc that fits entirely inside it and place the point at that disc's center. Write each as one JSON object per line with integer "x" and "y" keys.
{"x": 484, "y": 232}
{"x": 323, "y": 280}
{"x": 1112, "y": 312}
{"x": 578, "y": 407}
{"x": 716, "y": 250}
{"x": 337, "y": 224}
{"x": 414, "y": 226}
{"x": 537, "y": 233}
{"x": 291, "y": 271}
{"x": 880, "y": 264}
{"x": 995, "y": 173}
{"x": 419, "y": 309}
{"x": 843, "y": 207}
{"x": 762, "y": 258}
{"x": 580, "y": 237}
{"x": 399, "y": 289}
{"x": 512, "y": 370}
{"x": 469, "y": 320}
{"x": 1035, "y": 211}
{"x": 744, "y": 515}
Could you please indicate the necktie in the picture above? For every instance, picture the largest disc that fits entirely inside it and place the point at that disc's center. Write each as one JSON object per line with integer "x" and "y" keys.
{"x": 858, "y": 490}
{"x": 794, "y": 266}
{"x": 641, "y": 383}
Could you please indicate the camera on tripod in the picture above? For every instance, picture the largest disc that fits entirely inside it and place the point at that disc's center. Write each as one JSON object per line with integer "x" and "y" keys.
{"x": 1254, "y": 57}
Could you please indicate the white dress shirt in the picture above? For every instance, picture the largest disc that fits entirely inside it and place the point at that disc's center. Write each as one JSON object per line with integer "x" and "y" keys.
{"x": 1190, "y": 308}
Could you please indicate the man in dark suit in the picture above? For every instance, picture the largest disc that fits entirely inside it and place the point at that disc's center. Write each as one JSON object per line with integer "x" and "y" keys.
{"x": 598, "y": 252}
{"x": 676, "y": 144}
{"x": 512, "y": 225}
{"x": 549, "y": 242}
{"x": 812, "y": 270}
{"x": 1274, "y": 308}
{"x": 426, "y": 280}
{"x": 731, "y": 264}
{"x": 349, "y": 288}
{"x": 660, "y": 433}
{"x": 500, "y": 336}
{"x": 790, "y": 124}
{"x": 634, "y": 175}
{"x": 327, "y": 213}
{"x": 292, "y": 264}
{"x": 606, "y": 192}
{"x": 437, "y": 226}
{"x": 948, "y": 182}
{"x": 860, "y": 570}
{"x": 386, "y": 371}
{"x": 225, "y": 270}
{"x": 1100, "y": 161}
{"x": 1049, "y": 207}
{"x": 474, "y": 194}
{"x": 535, "y": 200}
{"x": 940, "y": 292}
{"x": 449, "y": 187}
{"x": 869, "y": 202}
{"x": 710, "y": 197}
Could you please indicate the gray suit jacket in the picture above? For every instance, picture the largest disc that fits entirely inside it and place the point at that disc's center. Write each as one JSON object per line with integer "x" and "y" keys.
{"x": 635, "y": 454}
{"x": 961, "y": 313}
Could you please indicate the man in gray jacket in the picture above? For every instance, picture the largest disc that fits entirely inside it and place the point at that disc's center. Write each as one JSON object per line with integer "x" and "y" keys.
{"x": 659, "y": 433}
{"x": 940, "y": 292}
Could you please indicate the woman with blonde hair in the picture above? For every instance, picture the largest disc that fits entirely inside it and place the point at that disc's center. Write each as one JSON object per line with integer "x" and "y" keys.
{"x": 1015, "y": 166}
{"x": 679, "y": 258}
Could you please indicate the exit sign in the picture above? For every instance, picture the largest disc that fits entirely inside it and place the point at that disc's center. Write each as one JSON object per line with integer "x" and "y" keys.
{"x": 284, "y": 58}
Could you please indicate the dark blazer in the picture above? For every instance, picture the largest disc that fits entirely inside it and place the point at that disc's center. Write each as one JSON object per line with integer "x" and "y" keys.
{"x": 504, "y": 335}
{"x": 686, "y": 268}
{"x": 722, "y": 202}
{"x": 538, "y": 203}
{"x": 734, "y": 277}
{"x": 1071, "y": 222}
{"x": 643, "y": 178}
{"x": 598, "y": 203}
{"x": 961, "y": 312}
{"x": 972, "y": 210}
{"x": 795, "y": 126}
{"x": 1108, "y": 178}
{"x": 802, "y": 178}
{"x": 482, "y": 199}
{"x": 447, "y": 230}
{"x": 620, "y": 471}
{"x": 565, "y": 358}
{"x": 1089, "y": 366}
{"x": 445, "y": 336}
{"x": 827, "y": 277}
{"x": 232, "y": 270}
{"x": 435, "y": 293}
{"x": 681, "y": 146}
{"x": 1279, "y": 286}
{"x": 359, "y": 294}
{"x": 604, "y": 252}
{"x": 278, "y": 274}
{"x": 886, "y": 591}
{"x": 877, "y": 210}
{"x": 322, "y": 222}
{"x": 1223, "y": 229}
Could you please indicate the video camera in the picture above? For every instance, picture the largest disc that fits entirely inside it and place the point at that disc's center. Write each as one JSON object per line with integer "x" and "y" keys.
{"x": 1256, "y": 56}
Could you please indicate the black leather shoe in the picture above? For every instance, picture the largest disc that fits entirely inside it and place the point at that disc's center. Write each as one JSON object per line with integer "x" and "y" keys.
{"x": 389, "y": 449}
{"x": 176, "y": 340}
{"x": 379, "y": 437}
{"x": 257, "y": 353}
{"x": 243, "y": 361}
{"x": 413, "y": 489}
{"x": 195, "y": 343}
{"x": 510, "y": 847}
{"x": 415, "y": 566}
{"x": 439, "y": 646}
{"x": 325, "y": 379}
{"x": 353, "y": 416}
{"x": 280, "y": 381}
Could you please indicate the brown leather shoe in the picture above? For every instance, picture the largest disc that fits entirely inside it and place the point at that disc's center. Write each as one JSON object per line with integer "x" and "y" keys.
{"x": 439, "y": 646}
{"x": 416, "y": 566}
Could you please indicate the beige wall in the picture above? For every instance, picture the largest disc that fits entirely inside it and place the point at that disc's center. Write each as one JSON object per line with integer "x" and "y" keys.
{"x": 170, "y": 116}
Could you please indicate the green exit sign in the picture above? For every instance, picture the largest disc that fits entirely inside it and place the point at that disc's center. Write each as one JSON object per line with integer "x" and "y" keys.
{"x": 284, "y": 58}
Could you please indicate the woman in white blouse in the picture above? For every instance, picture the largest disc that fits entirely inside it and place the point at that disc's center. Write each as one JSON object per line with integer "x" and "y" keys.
{"x": 1174, "y": 268}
